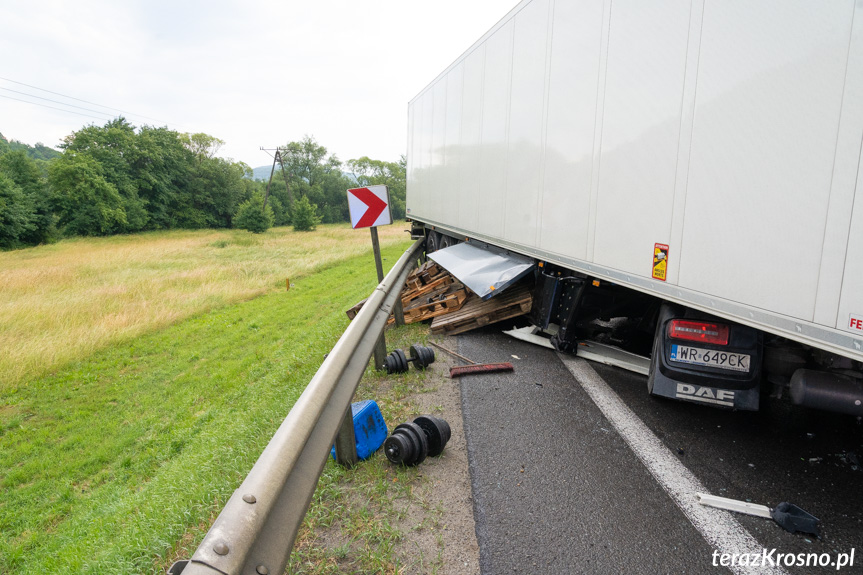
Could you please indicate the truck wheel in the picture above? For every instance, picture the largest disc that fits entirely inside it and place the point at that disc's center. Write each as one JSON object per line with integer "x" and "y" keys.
{"x": 433, "y": 242}
{"x": 446, "y": 241}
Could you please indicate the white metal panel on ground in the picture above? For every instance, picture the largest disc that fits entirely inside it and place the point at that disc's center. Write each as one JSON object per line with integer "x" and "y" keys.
{"x": 470, "y": 174}
{"x": 640, "y": 132}
{"x": 452, "y": 154}
{"x": 770, "y": 86}
{"x": 526, "y": 127}
{"x": 485, "y": 271}
{"x": 495, "y": 123}
{"x": 571, "y": 118}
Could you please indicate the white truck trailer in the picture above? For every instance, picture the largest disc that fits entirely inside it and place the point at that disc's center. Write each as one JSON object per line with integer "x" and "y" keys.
{"x": 693, "y": 167}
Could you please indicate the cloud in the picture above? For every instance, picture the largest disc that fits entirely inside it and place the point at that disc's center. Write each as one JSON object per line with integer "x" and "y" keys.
{"x": 252, "y": 73}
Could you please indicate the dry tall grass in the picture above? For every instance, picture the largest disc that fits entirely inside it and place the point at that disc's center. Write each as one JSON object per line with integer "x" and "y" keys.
{"x": 62, "y": 302}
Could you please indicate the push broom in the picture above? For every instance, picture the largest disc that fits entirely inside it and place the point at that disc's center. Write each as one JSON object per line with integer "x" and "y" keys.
{"x": 474, "y": 367}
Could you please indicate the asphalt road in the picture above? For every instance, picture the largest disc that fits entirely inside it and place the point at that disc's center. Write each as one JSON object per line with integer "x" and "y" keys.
{"x": 557, "y": 488}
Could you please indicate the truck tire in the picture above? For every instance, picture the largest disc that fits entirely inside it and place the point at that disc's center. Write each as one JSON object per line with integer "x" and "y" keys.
{"x": 433, "y": 242}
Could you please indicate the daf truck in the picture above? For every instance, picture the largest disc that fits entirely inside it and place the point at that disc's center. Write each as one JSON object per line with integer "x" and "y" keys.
{"x": 685, "y": 177}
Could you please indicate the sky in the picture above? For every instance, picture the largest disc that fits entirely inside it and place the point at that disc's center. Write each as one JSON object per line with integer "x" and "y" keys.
{"x": 251, "y": 73}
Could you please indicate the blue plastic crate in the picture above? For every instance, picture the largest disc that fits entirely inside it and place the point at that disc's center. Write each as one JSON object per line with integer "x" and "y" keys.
{"x": 369, "y": 428}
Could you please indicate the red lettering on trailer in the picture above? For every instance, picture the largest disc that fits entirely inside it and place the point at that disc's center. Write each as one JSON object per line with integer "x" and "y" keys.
{"x": 856, "y": 323}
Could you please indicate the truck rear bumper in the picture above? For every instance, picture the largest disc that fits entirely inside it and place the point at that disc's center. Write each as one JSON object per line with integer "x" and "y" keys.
{"x": 745, "y": 399}
{"x": 678, "y": 374}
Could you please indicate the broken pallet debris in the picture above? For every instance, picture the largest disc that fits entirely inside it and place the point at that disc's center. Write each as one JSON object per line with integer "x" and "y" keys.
{"x": 431, "y": 293}
{"x": 476, "y": 313}
{"x": 423, "y": 280}
{"x": 428, "y": 292}
{"x": 441, "y": 301}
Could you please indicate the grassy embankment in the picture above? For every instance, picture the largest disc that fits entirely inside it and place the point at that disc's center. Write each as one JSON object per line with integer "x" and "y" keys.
{"x": 61, "y": 302}
{"x": 119, "y": 460}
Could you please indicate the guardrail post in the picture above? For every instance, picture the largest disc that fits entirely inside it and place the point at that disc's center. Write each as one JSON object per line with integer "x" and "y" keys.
{"x": 381, "y": 347}
{"x": 346, "y": 441}
{"x": 399, "y": 312}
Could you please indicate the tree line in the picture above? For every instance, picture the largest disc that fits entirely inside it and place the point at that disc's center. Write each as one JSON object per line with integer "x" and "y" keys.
{"x": 119, "y": 179}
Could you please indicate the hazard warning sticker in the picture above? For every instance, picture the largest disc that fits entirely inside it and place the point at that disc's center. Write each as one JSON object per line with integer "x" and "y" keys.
{"x": 660, "y": 261}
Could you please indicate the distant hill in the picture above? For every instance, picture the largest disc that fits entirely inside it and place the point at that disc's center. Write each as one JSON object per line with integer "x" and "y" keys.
{"x": 262, "y": 172}
{"x": 38, "y": 152}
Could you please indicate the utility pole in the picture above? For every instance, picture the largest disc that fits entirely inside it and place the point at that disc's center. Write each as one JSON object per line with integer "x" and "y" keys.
{"x": 278, "y": 158}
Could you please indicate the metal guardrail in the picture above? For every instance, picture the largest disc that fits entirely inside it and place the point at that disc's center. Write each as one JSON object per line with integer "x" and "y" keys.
{"x": 255, "y": 532}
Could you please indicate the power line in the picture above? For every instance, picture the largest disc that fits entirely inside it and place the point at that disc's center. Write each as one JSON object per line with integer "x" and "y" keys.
{"x": 55, "y": 101}
{"x": 53, "y": 107}
{"x": 80, "y": 100}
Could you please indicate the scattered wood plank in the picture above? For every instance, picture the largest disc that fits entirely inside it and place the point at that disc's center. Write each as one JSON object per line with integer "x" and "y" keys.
{"x": 409, "y": 295}
{"x": 422, "y": 282}
{"x": 426, "y": 278}
{"x": 423, "y": 275}
{"x": 446, "y": 299}
{"x": 352, "y": 313}
{"x": 475, "y": 312}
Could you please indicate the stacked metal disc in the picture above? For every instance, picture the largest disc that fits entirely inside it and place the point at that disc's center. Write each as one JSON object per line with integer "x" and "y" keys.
{"x": 397, "y": 361}
{"x": 412, "y": 442}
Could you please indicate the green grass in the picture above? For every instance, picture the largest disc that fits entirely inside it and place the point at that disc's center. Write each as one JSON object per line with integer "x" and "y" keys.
{"x": 62, "y": 302}
{"x": 115, "y": 463}
{"x": 356, "y": 521}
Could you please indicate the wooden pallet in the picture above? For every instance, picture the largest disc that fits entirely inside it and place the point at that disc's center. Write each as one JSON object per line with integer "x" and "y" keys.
{"x": 442, "y": 301}
{"x": 476, "y": 313}
{"x": 423, "y": 275}
{"x": 434, "y": 285}
{"x": 421, "y": 283}
{"x": 426, "y": 278}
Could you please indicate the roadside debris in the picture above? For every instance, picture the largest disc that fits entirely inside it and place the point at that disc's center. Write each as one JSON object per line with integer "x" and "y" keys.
{"x": 787, "y": 515}
{"x": 487, "y": 272}
{"x": 429, "y": 291}
{"x": 370, "y": 429}
{"x": 592, "y": 350}
{"x": 432, "y": 293}
{"x": 530, "y": 334}
{"x": 412, "y": 442}
{"x": 476, "y": 312}
{"x": 848, "y": 458}
{"x": 452, "y": 353}
{"x": 474, "y": 367}
{"x": 397, "y": 361}
{"x": 461, "y": 370}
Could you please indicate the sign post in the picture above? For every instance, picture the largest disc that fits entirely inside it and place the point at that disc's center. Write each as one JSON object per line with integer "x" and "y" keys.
{"x": 370, "y": 207}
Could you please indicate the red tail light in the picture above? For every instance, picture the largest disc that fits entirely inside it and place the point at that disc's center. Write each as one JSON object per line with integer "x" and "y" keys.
{"x": 715, "y": 333}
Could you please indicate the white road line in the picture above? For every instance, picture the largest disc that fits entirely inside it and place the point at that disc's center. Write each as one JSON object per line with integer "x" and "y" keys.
{"x": 718, "y": 527}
